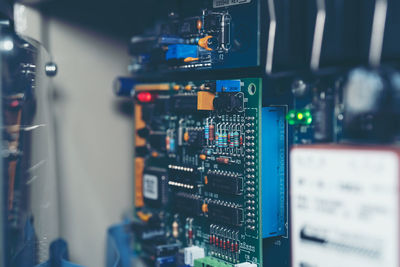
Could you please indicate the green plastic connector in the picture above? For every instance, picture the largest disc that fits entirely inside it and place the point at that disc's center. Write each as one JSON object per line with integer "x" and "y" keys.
{"x": 210, "y": 262}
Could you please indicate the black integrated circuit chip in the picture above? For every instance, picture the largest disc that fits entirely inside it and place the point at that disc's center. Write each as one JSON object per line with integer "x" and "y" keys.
{"x": 224, "y": 182}
{"x": 184, "y": 103}
{"x": 189, "y": 204}
{"x": 226, "y": 213}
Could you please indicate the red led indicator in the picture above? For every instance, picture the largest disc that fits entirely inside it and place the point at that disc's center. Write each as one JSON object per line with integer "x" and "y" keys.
{"x": 14, "y": 103}
{"x": 145, "y": 97}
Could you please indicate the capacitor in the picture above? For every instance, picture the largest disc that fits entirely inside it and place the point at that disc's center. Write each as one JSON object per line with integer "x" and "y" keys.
{"x": 124, "y": 86}
{"x": 223, "y": 160}
{"x": 211, "y": 133}
{"x": 209, "y": 152}
{"x": 175, "y": 229}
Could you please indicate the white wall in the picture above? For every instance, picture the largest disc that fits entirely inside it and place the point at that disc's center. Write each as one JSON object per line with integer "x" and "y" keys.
{"x": 94, "y": 140}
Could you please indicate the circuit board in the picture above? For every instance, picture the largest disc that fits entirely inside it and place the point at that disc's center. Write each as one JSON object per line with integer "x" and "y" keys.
{"x": 198, "y": 173}
{"x": 201, "y": 35}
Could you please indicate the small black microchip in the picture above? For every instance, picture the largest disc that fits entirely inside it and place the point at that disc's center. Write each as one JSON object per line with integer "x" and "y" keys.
{"x": 155, "y": 187}
{"x": 157, "y": 140}
{"x": 196, "y": 137}
{"x": 189, "y": 204}
{"x": 224, "y": 182}
{"x": 184, "y": 103}
{"x": 228, "y": 102}
{"x": 225, "y": 213}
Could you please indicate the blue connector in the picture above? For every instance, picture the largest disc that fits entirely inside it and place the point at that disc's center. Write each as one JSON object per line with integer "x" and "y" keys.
{"x": 228, "y": 86}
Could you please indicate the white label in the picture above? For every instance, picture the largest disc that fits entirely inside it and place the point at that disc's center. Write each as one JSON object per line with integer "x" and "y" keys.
{"x": 224, "y": 3}
{"x": 345, "y": 208}
{"x": 150, "y": 186}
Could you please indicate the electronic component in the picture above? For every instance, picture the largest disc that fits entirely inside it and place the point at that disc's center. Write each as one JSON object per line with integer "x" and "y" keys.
{"x": 184, "y": 103}
{"x": 274, "y": 161}
{"x": 188, "y": 203}
{"x": 157, "y": 140}
{"x": 195, "y": 137}
{"x": 155, "y": 250}
{"x": 166, "y": 261}
{"x": 225, "y": 212}
{"x": 228, "y": 86}
{"x": 123, "y": 86}
{"x": 246, "y": 264}
{"x": 193, "y": 253}
{"x": 182, "y": 174}
{"x": 181, "y": 51}
{"x": 205, "y": 100}
{"x": 155, "y": 187}
{"x": 224, "y": 182}
{"x": 228, "y": 102}
{"x": 210, "y": 262}
{"x": 145, "y": 231}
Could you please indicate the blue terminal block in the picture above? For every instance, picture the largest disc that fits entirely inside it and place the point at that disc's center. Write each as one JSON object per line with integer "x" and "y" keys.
{"x": 273, "y": 171}
{"x": 228, "y": 86}
{"x": 181, "y": 51}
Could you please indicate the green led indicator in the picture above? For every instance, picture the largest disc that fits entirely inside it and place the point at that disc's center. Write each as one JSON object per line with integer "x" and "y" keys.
{"x": 299, "y": 117}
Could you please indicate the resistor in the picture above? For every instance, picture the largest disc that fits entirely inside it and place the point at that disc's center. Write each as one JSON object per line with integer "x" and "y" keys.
{"x": 172, "y": 144}
{"x": 236, "y": 139}
{"x": 167, "y": 143}
{"x": 241, "y": 140}
{"x": 223, "y": 160}
{"x": 219, "y": 139}
{"x": 228, "y": 244}
{"x": 207, "y": 131}
{"x": 224, "y": 139}
{"x": 232, "y": 141}
{"x": 175, "y": 229}
{"x": 211, "y": 132}
{"x": 190, "y": 234}
{"x": 216, "y": 241}
{"x": 236, "y": 247}
{"x": 211, "y": 239}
